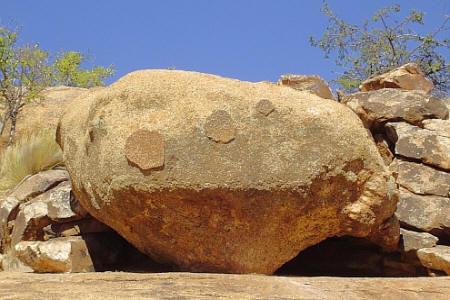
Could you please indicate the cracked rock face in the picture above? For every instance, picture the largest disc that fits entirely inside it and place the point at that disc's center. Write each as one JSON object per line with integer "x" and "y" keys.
{"x": 421, "y": 179}
{"x": 60, "y": 255}
{"x": 420, "y": 144}
{"x": 244, "y": 186}
{"x": 375, "y": 108}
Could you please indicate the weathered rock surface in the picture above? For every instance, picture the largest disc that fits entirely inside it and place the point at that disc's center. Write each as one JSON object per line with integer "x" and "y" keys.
{"x": 236, "y": 190}
{"x": 421, "y": 179}
{"x": 412, "y": 241}
{"x": 421, "y": 144}
{"x": 59, "y": 203}
{"x": 447, "y": 102}
{"x": 39, "y": 183}
{"x": 79, "y": 227}
{"x": 60, "y": 255}
{"x": 28, "y": 188}
{"x": 7, "y": 206}
{"x": 427, "y": 213}
{"x": 375, "y": 108}
{"x": 311, "y": 83}
{"x": 120, "y": 285}
{"x": 58, "y": 219}
{"x": 439, "y": 127}
{"x": 437, "y": 258}
{"x": 39, "y": 212}
{"x": 407, "y": 77}
{"x": 383, "y": 146}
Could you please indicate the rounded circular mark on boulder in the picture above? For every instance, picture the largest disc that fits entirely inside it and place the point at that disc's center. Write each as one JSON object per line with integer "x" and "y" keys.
{"x": 220, "y": 127}
{"x": 264, "y": 107}
{"x": 145, "y": 149}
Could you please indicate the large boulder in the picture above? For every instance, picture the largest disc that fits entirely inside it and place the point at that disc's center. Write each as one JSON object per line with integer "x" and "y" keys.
{"x": 213, "y": 174}
{"x": 408, "y": 77}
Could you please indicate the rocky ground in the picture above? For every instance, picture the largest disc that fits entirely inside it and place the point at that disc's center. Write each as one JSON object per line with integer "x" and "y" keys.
{"x": 119, "y": 285}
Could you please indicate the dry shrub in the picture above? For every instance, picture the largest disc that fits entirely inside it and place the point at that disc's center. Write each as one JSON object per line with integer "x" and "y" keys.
{"x": 29, "y": 155}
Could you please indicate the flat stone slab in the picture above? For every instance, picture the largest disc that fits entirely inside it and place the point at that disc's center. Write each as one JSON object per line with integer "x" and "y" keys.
{"x": 426, "y": 213}
{"x": 39, "y": 183}
{"x": 421, "y": 179}
{"x": 120, "y": 285}
{"x": 420, "y": 144}
{"x": 412, "y": 240}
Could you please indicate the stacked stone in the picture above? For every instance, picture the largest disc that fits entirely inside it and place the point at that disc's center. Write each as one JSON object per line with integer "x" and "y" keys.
{"x": 43, "y": 228}
{"x": 412, "y": 132}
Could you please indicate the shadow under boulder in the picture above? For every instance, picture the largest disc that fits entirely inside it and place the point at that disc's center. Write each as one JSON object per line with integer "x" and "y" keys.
{"x": 110, "y": 252}
{"x": 349, "y": 257}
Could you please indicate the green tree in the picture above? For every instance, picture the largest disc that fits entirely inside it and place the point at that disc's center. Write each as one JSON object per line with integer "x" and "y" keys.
{"x": 24, "y": 72}
{"x": 67, "y": 71}
{"x": 383, "y": 43}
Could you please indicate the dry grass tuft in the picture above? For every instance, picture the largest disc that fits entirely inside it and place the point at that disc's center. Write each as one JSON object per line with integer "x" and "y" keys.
{"x": 29, "y": 155}
{"x": 10, "y": 261}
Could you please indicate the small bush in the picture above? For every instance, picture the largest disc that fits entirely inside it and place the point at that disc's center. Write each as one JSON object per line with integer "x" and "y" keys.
{"x": 31, "y": 154}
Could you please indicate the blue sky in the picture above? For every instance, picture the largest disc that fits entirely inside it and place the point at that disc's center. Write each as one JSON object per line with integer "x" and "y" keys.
{"x": 250, "y": 40}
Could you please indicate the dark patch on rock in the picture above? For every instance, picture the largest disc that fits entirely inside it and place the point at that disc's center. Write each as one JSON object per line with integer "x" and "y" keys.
{"x": 264, "y": 107}
{"x": 145, "y": 149}
{"x": 220, "y": 127}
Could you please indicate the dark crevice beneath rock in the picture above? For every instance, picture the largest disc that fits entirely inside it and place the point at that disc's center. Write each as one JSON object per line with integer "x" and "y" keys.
{"x": 110, "y": 252}
{"x": 349, "y": 257}
{"x": 418, "y": 161}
